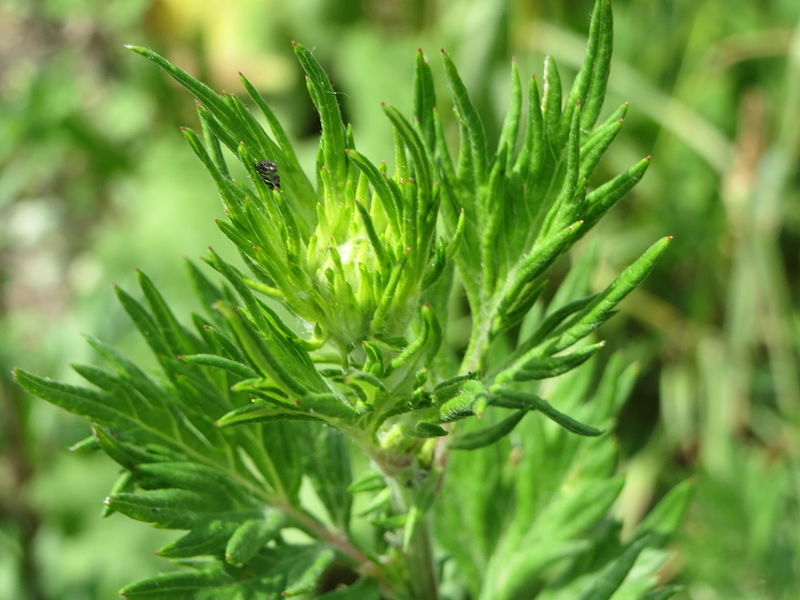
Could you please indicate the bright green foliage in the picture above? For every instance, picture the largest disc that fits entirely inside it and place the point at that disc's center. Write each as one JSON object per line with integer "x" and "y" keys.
{"x": 250, "y": 436}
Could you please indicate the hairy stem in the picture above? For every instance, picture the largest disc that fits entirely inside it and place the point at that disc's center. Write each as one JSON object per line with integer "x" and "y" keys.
{"x": 337, "y": 541}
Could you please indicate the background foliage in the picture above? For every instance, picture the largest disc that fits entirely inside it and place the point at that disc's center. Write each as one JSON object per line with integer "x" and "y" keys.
{"x": 96, "y": 180}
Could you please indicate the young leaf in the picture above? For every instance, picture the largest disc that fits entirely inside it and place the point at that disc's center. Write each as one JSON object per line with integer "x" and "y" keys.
{"x": 251, "y": 536}
{"x": 472, "y": 440}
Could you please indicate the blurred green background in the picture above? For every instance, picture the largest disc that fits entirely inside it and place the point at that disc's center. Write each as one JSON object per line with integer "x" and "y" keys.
{"x": 96, "y": 181}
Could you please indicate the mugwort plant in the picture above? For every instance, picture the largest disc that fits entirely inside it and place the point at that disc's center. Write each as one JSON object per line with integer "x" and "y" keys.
{"x": 351, "y": 449}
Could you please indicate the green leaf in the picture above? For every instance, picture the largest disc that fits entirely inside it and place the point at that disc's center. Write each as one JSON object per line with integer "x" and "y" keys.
{"x": 274, "y": 345}
{"x": 599, "y": 310}
{"x": 169, "y": 508}
{"x": 220, "y": 362}
{"x": 389, "y": 202}
{"x": 510, "y": 130}
{"x": 534, "y": 263}
{"x": 590, "y": 156}
{"x": 251, "y": 536}
{"x": 307, "y": 582}
{"x": 363, "y": 589}
{"x": 327, "y": 464}
{"x": 187, "y": 475}
{"x": 590, "y": 84}
{"x": 424, "y": 99}
{"x": 181, "y": 585}
{"x": 126, "y": 454}
{"x": 261, "y": 412}
{"x": 145, "y": 323}
{"x": 258, "y": 353}
{"x": 472, "y": 440}
{"x": 468, "y": 116}
{"x": 419, "y": 155}
{"x": 531, "y": 156}
{"x": 324, "y": 97}
{"x": 531, "y": 366}
{"x": 471, "y": 400}
{"x": 178, "y": 338}
{"x": 200, "y": 90}
{"x": 609, "y": 580}
{"x": 78, "y": 400}
{"x": 423, "y": 429}
{"x": 124, "y": 483}
{"x": 599, "y": 201}
{"x": 664, "y": 519}
{"x": 207, "y": 538}
{"x": 551, "y": 99}
{"x": 551, "y": 322}
{"x": 521, "y": 400}
{"x": 265, "y": 576}
{"x": 602, "y": 28}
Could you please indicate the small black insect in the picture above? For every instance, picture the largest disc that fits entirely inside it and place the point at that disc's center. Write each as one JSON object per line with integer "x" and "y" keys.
{"x": 268, "y": 173}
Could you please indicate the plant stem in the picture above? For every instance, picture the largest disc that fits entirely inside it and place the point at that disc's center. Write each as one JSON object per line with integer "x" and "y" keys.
{"x": 420, "y": 567}
{"x": 422, "y": 574}
{"x": 335, "y": 540}
{"x": 479, "y": 340}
